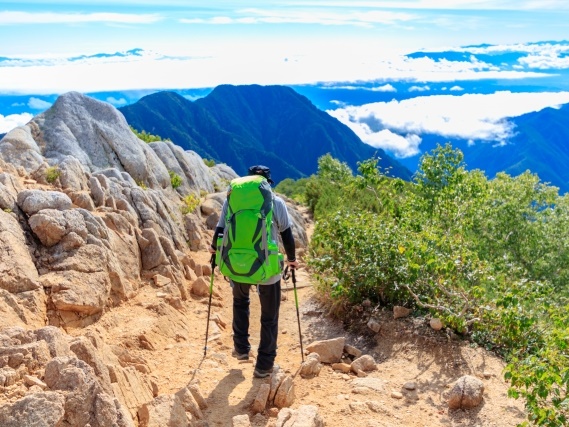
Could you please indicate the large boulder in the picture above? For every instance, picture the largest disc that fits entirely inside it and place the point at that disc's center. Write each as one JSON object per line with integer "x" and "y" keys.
{"x": 45, "y": 409}
{"x": 188, "y": 165}
{"x": 33, "y": 201}
{"x": 86, "y": 403}
{"x": 17, "y": 270}
{"x": 97, "y": 135}
{"x": 9, "y": 189}
{"x": 20, "y": 149}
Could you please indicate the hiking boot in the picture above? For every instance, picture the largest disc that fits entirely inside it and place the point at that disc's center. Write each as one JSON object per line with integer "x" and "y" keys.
{"x": 240, "y": 356}
{"x": 262, "y": 373}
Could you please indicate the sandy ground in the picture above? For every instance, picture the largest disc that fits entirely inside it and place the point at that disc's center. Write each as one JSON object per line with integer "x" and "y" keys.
{"x": 404, "y": 349}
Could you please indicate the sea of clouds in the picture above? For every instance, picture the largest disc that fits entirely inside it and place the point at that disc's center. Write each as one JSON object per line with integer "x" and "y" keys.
{"x": 395, "y": 125}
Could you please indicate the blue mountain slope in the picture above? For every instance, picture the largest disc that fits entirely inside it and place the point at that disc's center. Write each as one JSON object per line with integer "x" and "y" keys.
{"x": 540, "y": 144}
{"x": 244, "y": 125}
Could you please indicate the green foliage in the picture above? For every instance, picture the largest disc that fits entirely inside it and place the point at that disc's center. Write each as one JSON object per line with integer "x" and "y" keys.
{"x": 147, "y": 137}
{"x": 190, "y": 203}
{"x": 296, "y": 190}
{"x": 175, "y": 179}
{"x": 541, "y": 377}
{"x": 52, "y": 173}
{"x": 142, "y": 185}
{"x": 489, "y": 257}
{"x": 209, "y": 162}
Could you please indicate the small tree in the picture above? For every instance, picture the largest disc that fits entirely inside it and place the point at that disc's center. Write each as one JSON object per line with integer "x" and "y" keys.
{"x": 175, "y": 179}
{"x": 52, "y": 173}
{"x": 190, "y": 203}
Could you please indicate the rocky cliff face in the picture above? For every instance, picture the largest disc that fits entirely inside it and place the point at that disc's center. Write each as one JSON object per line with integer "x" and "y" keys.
{"x": 88, "y": 217}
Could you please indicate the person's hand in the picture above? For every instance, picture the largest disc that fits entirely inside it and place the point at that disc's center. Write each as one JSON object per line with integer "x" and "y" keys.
{"x": 293, "y": 265}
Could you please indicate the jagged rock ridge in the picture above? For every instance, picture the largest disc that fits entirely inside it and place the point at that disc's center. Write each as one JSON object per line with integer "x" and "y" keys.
{"x": 88, "y": 218}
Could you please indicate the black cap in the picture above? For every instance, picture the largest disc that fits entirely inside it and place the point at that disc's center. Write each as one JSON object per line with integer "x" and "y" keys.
{"x": 261, "y": 170}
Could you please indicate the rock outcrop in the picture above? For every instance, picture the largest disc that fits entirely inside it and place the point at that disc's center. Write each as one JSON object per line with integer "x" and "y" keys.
{"x": 89, "y": 219}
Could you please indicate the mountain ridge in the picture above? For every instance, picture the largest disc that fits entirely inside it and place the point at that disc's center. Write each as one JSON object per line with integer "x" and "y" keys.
{"x": 244, "y": 125}
{"x": 538, "y": 144}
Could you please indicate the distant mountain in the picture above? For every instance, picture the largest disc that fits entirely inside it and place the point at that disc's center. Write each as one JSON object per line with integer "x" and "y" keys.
{"x": 540, "y": 144}
{"x": 246, "y": 125}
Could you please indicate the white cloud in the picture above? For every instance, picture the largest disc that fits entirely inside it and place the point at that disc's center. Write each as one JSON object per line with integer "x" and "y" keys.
{"x": 456, "y": 89}
{"x": 384, "y": 88}
{"x": 513, "y": 5}
{"x": 234, "y": 66}
{"x": 116, "y": 102}
{"x": 20, "y": 18}
{"x": 541, "y": 56}
{"x": 9, "y": 122}
{"x": 402, "y": 146}
{"x": 38, "y": 104}
{"x": 315, "y": 15}
{"x": 545, "y": 61}
{"x": 419, "y": 88}
{"x": 469, "y": 117}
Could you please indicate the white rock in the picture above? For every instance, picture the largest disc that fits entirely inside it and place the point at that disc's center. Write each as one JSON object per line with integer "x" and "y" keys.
{"x": 241, "y": 421}
{"x": 330, "y": 351}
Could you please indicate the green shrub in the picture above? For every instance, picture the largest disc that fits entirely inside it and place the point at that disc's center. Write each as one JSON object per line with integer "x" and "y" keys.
{"x": 147, "y": 137}
{"x": 488, "y": 256}
{"x": 209, "y": 162}
{"x": 296, "y": 190}
{"x": 190, "y": 203}
{"x": 52, "y": 174}
{"x": 175, "y": 179}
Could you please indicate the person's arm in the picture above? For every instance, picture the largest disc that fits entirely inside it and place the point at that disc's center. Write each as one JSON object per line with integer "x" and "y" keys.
{"x": 288, "y": 243}
{"x": 218, "y": 232}
{"x": 284, "y": 225}
{"x": 219, "y": 228}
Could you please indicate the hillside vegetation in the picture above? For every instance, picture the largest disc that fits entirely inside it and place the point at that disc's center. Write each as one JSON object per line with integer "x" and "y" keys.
{"x": 487, "y": 256}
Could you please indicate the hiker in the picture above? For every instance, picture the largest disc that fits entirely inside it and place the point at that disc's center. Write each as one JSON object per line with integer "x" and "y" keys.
{"x": 268, "y": 288}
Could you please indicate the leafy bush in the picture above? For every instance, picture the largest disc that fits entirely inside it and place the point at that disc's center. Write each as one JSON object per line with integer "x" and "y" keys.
{"x": 52, "y": 174}
{"x": 175, "y": 179}
{"x": 209, "y": 162}
{"x": 190, "y": 203}
{"x": 489, "y": 257}
{"x": 294, "y": 189}
{"x": 147, "y": 137}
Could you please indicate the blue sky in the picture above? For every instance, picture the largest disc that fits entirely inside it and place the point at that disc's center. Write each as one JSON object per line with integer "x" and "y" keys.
{"x": 116, "y": 45}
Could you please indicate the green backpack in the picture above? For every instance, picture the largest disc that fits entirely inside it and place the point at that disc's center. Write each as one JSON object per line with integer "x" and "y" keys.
{"x": 247, "y": 253}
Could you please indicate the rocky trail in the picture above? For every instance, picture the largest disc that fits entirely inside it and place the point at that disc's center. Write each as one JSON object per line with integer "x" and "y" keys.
{"x": 406, "y": 350}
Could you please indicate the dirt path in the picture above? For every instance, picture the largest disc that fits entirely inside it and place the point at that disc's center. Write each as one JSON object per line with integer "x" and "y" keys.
{"x": 171, "y": 343}
{"x": 405, "y": 350}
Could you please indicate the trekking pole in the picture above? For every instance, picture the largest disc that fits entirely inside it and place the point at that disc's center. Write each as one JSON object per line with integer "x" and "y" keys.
{"x": 212, "y": 261}
{"x": 296, "y": 304}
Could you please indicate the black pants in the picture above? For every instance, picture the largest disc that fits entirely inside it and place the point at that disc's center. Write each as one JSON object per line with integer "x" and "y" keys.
{"x": 270, "y": 297}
